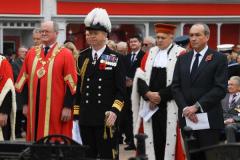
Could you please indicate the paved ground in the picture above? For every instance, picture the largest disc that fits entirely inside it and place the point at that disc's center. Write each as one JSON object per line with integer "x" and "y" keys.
{"x": 125, "y": 155}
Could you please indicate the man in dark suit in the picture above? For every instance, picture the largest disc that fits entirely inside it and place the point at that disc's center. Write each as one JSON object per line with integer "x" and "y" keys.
{"x": 231, "y": 108}
{"x": 199, "y": 84}
{"x": 132, "y": 62}
{"x": 100, "y": 89}
{"x": 20, "y": 118}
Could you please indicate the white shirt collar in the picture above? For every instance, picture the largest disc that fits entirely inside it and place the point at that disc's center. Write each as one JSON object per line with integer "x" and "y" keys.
{"x": 50, "y": 45}
{"x": 202, "y": 52}
{"x": 237, "y": 94}
{"x": 135, "y": 52}
{"x": 99, "y": 52}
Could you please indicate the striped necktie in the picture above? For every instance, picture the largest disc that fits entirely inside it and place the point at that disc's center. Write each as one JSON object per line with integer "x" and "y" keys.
{"x": 233, "y": 99}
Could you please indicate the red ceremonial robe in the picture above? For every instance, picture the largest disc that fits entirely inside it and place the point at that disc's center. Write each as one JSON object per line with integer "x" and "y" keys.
{"x": 6, "y": 85}
{"x": 59, "y": 72}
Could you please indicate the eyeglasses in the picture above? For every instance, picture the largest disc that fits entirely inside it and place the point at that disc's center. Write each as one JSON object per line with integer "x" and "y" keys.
{"x": 145, "y": 44}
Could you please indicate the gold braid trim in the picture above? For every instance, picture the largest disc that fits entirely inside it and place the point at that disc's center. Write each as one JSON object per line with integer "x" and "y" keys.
{"x": 76, "y": 110}
{"x": 69, "y": 78}
{"x": 78, "y": 68}
{"x": 83, "y": 71}
{"x": 118, "y": 105}
{"x": 114, "y": 153}
{"x": 105, "y": 132}
{"x": 20, "y": 83}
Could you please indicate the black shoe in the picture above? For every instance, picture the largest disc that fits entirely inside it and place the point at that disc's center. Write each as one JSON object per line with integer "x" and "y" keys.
{"x": 120, "y": 142}
{"x": 127, "y": 141}
{"x": 130, "y": 147}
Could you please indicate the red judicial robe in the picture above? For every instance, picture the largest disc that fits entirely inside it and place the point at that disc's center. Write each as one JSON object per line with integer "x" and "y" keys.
{"x": 55, "y": 72}
{"x": 6, "y": 85}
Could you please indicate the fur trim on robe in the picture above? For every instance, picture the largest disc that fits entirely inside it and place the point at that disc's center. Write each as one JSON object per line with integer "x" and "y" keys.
{"x": 172, "y": 110}
{"x": 9, "y": 86}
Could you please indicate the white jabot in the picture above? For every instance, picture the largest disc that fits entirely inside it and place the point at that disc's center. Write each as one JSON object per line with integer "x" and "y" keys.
{"x": 161, "y": 58}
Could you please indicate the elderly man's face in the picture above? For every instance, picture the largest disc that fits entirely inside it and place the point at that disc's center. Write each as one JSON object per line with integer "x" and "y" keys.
{"x": 163, "y": 40}
{"x": 147, "y": 44}
{"x": 22, "y": 53}
{"x": 233, "y": 86}
{"x": 122, "y": 50}
{"x": 36, "y": 38}
{"x": 48, "y": 34}
{"x": 198, "y": 39}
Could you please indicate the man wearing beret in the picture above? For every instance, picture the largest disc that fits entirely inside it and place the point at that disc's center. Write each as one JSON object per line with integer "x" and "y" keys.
{"x": 152, "y": 90}
{"x": 199, "y": 84}
{"x": 100, "y": 89}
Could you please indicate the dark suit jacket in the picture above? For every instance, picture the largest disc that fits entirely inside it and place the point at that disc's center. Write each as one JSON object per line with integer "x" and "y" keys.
{"x": 208, "y": 86}
{"x": 131, "y": 67}
{"x": 229, "y": 112}
{"x": 101, "y": 86}
{"x": 16, "y": 66}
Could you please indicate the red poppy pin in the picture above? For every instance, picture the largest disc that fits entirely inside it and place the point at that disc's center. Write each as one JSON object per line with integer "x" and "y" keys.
{"x": 209, "y": 57}
{"x": 102, "y": 66}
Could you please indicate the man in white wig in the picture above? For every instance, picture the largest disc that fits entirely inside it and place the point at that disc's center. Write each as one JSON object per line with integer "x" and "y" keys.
{"x": 7, "y": 101}
{"x": 100, "y": 89}
{"x": 152, "y": 90}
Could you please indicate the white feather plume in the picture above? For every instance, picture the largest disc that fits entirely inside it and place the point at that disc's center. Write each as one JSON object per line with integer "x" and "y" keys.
{"x": 98, "y": 15}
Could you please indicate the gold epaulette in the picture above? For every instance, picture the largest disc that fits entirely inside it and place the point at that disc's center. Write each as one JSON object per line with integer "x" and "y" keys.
{"x": 118, "y": 105}
{"x": 76, "y": 110}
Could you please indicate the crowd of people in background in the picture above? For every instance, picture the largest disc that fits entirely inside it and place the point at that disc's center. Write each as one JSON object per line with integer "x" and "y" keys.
{"x": 106, "y": 86}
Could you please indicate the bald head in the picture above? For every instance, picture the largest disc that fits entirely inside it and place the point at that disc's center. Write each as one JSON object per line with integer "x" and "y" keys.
{"x": 49, "y": 32}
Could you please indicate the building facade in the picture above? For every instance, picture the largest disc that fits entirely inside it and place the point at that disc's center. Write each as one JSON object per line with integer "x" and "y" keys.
{"x": 19, "y": 18}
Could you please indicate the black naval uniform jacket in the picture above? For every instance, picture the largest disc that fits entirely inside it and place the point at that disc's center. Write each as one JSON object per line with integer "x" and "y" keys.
{"x": 101, "y": 87}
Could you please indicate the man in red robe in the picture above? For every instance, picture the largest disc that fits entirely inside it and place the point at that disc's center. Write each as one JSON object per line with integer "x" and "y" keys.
{"x": 48, "y": 78}
{"x": 7, "y": 101}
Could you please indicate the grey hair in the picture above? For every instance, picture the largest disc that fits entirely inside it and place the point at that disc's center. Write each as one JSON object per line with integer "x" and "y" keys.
{"x": 236, "y": 78}
{"x": 151, "y": 39}
{"x": 205, "y": 27}
{"x": 22, "y": 47}
{"x": 36, "y": 30}
{"x": 55, "y": 25}
{"x": 122, "y": 44}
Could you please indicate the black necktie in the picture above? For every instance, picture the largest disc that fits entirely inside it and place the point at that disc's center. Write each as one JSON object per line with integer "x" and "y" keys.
{"x": 46, "y": 50}
{"x": 195, "y": 65}
{"x": 95, "y": 58}
{"x": 133, "y": 57}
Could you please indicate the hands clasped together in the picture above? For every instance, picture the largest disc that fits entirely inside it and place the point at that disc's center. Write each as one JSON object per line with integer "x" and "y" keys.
{"x": 154, "y": 99}
{"x": 190, "y": 112}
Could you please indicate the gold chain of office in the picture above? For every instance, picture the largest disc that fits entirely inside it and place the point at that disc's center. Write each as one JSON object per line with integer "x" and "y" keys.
{"x": 41, "y": 72}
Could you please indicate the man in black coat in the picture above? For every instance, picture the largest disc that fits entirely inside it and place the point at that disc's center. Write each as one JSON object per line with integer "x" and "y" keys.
{"x": 20, "y": 119}
{"x": 132, "y": 62}
{"x": 199, "y": 84}
{"x": 100, "y": 89}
